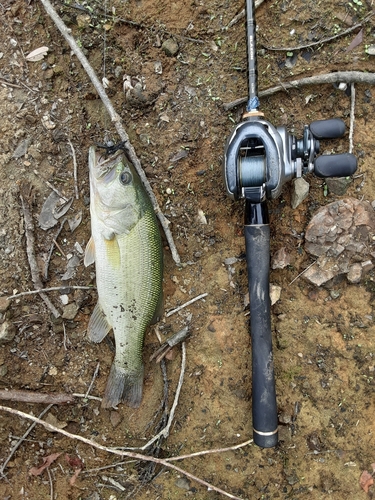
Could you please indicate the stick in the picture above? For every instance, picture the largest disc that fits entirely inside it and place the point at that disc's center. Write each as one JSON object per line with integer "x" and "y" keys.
{"x": 74, "y": 169}
{"x": 321, "y": 42}
{"x": 116, "y": 120}
{"x": 93, "y": 380}
{"x": 165, "y": 432}
{"x": 173, "y": 311}
{"x": 60, "y": 289}
{"x": 241, "y": 15}
{"x": 300, "y": 274}
{"x": 18, "y": 444}
{"x": 337, "y": 77}
{"x": 352, "y": 116}
{"x": 206, "y": 452}
{"x": 115, "y": 451}
{"x": 36, "y": 397}
{"x": 30, "y": 243}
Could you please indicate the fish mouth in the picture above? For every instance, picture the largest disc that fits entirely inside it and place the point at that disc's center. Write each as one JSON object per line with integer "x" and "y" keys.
{"x": 101, "y": 165}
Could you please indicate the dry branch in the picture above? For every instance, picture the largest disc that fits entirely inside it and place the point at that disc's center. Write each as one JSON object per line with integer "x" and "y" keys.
{"x": 115, "y": 451}
{"x": 338, "y": 77}
{"x": 36, "y": 397}
{"x": 116, "y": 120}
{"x": 30, "y": 245}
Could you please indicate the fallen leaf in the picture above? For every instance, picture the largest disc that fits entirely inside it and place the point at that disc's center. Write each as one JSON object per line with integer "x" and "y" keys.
{"x": 37, "y": 54}
{"x": 74, "y": 477}
{"x": 356, "y": 41}
{"x": 51, "y": 419}
{"x": 74, "y": 462}
{"x": 366, "y": 480}
{"x": 47, "y": 461}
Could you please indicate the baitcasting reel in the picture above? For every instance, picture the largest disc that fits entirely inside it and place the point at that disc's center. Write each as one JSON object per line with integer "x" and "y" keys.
{"x": 260, "y": 158}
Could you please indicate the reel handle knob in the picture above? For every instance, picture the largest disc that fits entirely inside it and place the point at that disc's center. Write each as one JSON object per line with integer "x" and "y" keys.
{"x": 327, "y": 129}
{"x": 342, "y": 165}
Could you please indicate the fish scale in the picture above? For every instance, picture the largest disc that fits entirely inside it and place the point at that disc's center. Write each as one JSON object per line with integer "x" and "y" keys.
{"x": 128, "y": 262}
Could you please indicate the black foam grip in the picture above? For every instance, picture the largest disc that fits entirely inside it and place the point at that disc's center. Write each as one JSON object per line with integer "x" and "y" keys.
{"x": 327, "y": 129}
{"x": 343, "y": 165}
{"x": 265, "y": 418}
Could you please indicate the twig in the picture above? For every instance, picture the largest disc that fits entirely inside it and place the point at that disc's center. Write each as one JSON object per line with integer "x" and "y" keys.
{"x": 52, "y": 248}
{"x": 337, "y": 77}
{"x": 51, "y": 289}
{"x": 241, "y": 15}
{"x": 36, "y": 397}
{"x": 300, "y": 274}
{"x": 30, "y": 243}
{"x": 173, "y": 311}
{"x": 114, "y": 451}
{"x": 57, "y": 191}
{"x": 165, "y": 432}
{"x": 18, "y": 444}
{"x": 95, "y": 398}
{"x": 322, "y": 41}
{"x": 352, "y": 116}
{"x": 116, "y": 120}
{"x": 93, "y": 380}
{"x": 74, "y": 169}
{"x": 50, "y": 484}
{"x": 206, "y": 452}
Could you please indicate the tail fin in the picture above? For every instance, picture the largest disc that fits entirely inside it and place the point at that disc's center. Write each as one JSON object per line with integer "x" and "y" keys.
{"x": 123, "y": 386}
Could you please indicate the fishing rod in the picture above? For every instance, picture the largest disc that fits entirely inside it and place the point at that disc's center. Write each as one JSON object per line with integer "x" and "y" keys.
{"x": 258, "y": 160}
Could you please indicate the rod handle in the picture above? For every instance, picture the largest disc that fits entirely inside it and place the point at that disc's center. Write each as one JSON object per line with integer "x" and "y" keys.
{"x": 265, "y": 433}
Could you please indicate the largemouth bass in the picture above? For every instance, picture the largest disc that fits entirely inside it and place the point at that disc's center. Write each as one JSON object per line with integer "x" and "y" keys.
{"x": 126, "y": 247}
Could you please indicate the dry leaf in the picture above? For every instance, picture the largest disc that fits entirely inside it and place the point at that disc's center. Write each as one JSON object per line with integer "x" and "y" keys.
{"x": 51, "y": 419}
{"x": 47, "y": 461}
{"x": 366, "y": 480}
{"x": 74, "y": 477}
{"x": 356, "y": 41}
{"x": 74, "y": 462}
{"x": 37, "y": 54}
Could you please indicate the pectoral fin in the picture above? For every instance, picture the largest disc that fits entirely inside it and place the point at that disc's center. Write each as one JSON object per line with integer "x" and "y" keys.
{"x": 98, "y": 326}
{"x": 89, "y": 253}
{"x": 113, "y": 252}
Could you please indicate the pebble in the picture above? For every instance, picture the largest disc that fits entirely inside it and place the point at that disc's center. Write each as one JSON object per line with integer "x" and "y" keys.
{"x": 170, "y": 47}
{"x": 7, "y": 332}
{"x": 70, "y": 311}
{"x": 4, "y": 304}
{"x": 300, "y": 191}
{"x": 280, "y": 259}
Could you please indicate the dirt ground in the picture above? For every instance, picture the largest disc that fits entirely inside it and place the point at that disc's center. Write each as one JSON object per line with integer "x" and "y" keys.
{"x": 323, "y": 337}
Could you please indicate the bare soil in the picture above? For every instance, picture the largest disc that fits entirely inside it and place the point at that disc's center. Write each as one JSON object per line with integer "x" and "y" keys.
{"x": 323, "y": 337}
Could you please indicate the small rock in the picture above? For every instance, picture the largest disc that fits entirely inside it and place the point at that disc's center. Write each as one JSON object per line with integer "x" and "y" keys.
{"x": 170, "y": 47}
{"x": 335, "y": 294}
{"x": 371, "y": 50}
{"x": 70, "y": 311}
{"x": 183, "y": 483}
{"x": 300, "y": 191}
{"x": 4, "y": 304}
{"x": 3, "y": 370}
{"x": 280, "y": 259}
{"x": 355, "y": 273}
{"x": 115, "y": 418}
{"x": 275, "y": 293}
{"x": 338, "y": 185}
{"x": 64, "y": 299}
{"x": 7, "y": 332}
{"x": 83, "y": 21}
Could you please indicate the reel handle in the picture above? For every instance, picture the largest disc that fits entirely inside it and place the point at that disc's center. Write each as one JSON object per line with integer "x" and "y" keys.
{"x": 327, "y": 129}
{"x": 342, "y": 165}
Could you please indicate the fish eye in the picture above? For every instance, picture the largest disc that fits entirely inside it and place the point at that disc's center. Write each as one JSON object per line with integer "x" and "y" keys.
{"x": 125, "y": 178}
